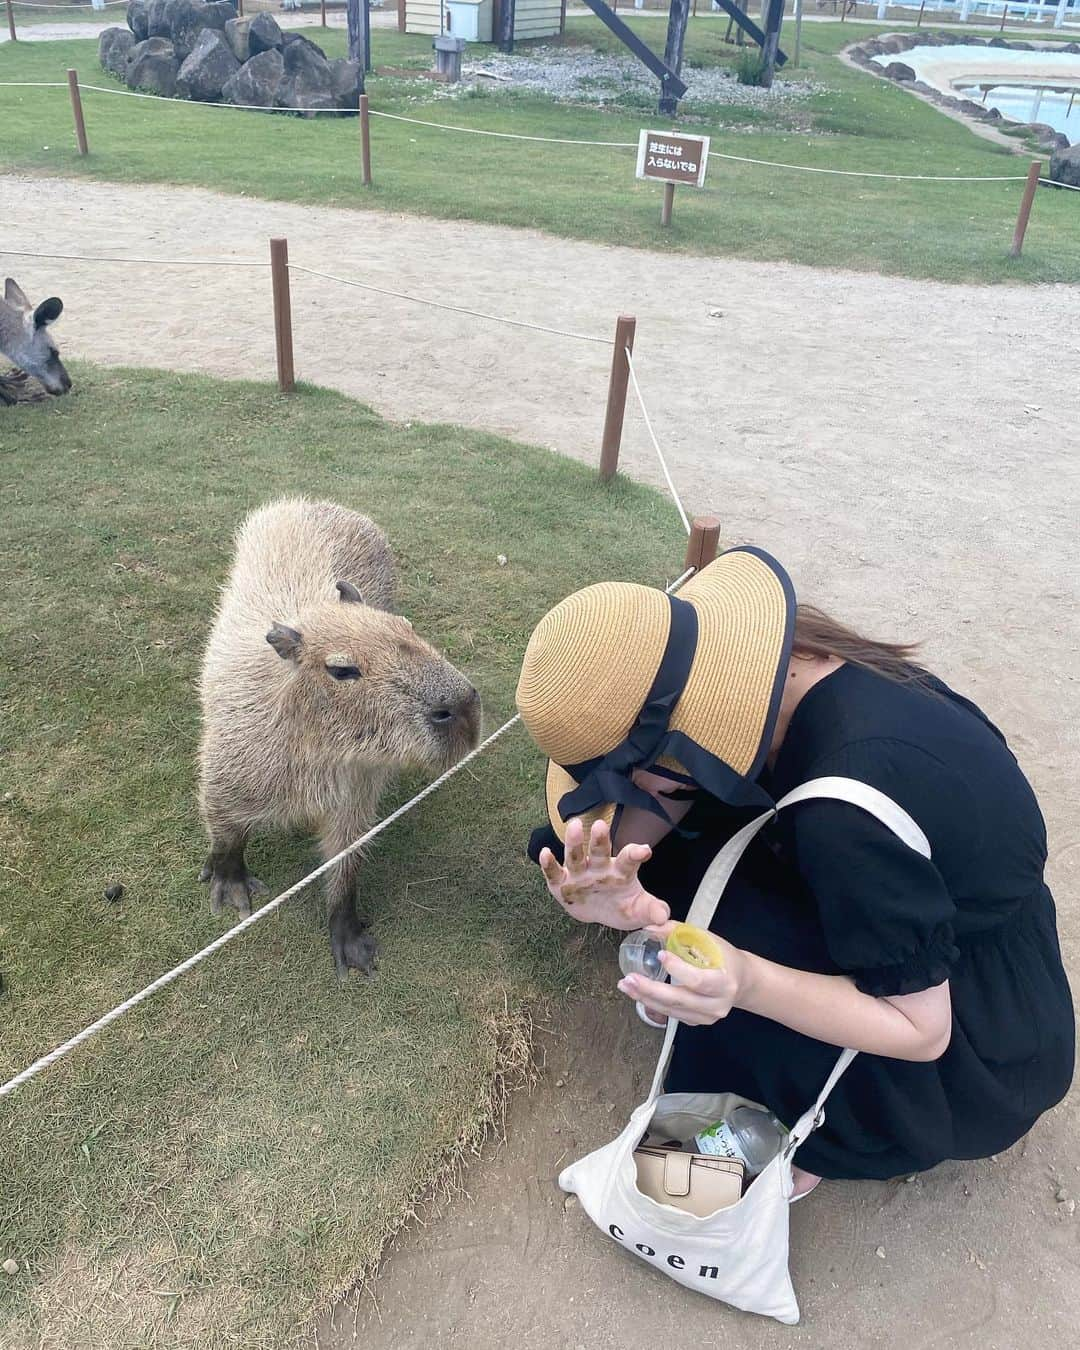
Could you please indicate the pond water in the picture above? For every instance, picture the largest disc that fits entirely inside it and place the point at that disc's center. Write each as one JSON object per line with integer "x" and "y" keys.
{"x": 1057, "y": 107}
{"x": 1026, "y": 86}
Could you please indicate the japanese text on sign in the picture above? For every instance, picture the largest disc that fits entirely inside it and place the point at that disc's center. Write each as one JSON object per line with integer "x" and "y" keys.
{"x": 673, "y": 159}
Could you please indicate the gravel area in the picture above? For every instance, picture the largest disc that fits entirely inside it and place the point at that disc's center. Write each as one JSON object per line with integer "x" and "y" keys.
{"x": 592, "y": 77}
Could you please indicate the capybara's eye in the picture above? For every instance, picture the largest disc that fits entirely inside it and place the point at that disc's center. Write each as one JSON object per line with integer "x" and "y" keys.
{"x": 344, "y": 672}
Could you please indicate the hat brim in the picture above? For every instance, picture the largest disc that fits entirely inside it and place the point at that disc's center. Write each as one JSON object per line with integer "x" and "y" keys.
{"x": 558, "y": 784}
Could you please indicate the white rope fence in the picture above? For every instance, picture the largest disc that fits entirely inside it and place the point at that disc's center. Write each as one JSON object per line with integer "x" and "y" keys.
{"x": 455, "y": 309}
{"x": 157, "y": 262}
{"x": 656, "y": 443}
{"x": 40, "y": 1065}
{"x": 540, "y": 140}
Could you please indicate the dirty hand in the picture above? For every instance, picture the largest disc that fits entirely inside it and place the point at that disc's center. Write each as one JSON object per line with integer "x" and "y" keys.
{"x": 595, "y": 887}
{"x": 694, "y": 997}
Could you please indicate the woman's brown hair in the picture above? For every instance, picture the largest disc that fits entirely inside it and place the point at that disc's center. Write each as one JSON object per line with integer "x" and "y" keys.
{"x": 818, "y": 634}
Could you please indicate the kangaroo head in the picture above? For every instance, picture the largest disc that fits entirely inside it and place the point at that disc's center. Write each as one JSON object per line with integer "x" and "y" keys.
{"x": 26, "y": 339}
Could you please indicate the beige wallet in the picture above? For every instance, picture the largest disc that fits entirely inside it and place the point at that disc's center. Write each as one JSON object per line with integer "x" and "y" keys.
{"x": 689, "y": 1181}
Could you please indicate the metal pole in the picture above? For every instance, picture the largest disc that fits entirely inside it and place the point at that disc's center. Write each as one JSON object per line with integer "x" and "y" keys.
{"x": 798, "y": 31}
{"x": 11, "y": 21}
{"x": 366, "y": 15}
{"x": 279, "y": 275}
{"x": 918, "y": 21}
{"x": 76, "y": 108}
{"x": 365, "y": 143}
{"x": 1004, "y": 16}
{"x": 322, "y": 12}
{"x": 668, "y": 203}
{"x": 616, "y": 399}
{"x": 1025, "y": 207}
{"x": 703, "y": 542}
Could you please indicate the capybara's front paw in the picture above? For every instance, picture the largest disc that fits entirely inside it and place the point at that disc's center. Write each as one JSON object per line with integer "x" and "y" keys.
{"x": 354, "y": 948}
{"x": 232, "y": 889}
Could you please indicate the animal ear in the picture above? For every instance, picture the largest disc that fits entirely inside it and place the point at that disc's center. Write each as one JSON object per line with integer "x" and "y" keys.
{"x": 287, "y": 642}
{"x": 349, "y": 594}
{"x": 13, "y": 294}
{"x": 48, "y": 311}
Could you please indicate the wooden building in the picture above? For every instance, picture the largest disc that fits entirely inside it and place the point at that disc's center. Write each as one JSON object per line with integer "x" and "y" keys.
{"x": 480, "y": 20}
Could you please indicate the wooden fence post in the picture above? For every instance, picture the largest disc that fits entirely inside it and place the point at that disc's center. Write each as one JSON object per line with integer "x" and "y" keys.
{"x": 76, "y": 108}
{"x": 703, "y": 542}
{"x": 11, "y": 22}
{"x": 365, "y": 142}
{"x": 666, "y": 205}
{"x": 616, "y": 399}
{"x": 322, "y": 13}
{"x": 279, "y": 274}
{"x": 922, "y": 7}
{"x": 1025, "y": 207}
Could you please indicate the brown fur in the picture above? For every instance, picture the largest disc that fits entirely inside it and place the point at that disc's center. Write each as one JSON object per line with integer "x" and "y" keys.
{"x": 285, "y": 744}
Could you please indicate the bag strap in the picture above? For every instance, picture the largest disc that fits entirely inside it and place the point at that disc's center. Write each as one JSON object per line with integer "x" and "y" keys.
{"x": 716, "y": 878}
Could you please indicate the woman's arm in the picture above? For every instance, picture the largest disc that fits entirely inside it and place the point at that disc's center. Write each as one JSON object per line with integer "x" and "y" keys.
{"x": 825, "y": 1007}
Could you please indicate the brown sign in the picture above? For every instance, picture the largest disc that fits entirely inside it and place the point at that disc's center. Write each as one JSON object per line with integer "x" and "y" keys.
{"x": 672, "y": 157}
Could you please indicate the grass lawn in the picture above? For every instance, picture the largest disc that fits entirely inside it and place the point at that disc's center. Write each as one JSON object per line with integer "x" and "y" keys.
{"x": 230, "y": 1155}
{"x": 950, "y": 231}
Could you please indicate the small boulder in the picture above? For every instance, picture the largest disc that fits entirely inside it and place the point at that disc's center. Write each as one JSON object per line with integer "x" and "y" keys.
{"x": 970, "y": 108}
{"x": 1065, "y": 166}
{"x": 872, "y": 48}
{"x": 896, "y": 70}
{"x": 205, "y": 71}
{"x": 346, "y": 83}
{"x": 889, "y": 46}
{"x": 287, "y": 40}
{"x": 137, "y": 14}
{"x": 114, "y": 44}
{"x": 307, "y": 84}
{"x": 264, "y": 35}
{"x": 186, "y": 22}
{"x": 237, "y": 35}
{"x": 218, "y": 13}
{"x": 157, "y": 19}
{"x": 997, "y": 42}
{"x": 921, "y": 87}
{"x": 153, "y": 70}
{"x": 256, "y": 83}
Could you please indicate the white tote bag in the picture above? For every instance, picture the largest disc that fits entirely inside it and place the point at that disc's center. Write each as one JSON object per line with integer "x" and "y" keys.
{"x": 738, "y": 1254}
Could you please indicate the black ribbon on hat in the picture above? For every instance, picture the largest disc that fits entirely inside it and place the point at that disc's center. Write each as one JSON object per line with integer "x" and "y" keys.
{"x": 607, "y": 778}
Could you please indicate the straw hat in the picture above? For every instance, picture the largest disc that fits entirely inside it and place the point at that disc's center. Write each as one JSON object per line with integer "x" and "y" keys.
{"x": 619, "y": 677}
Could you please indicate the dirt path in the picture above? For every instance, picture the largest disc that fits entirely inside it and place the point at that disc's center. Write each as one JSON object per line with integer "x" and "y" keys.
{"x": 911, "y": 450}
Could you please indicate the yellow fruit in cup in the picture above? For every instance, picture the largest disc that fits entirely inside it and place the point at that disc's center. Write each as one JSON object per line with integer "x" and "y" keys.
{"x": 696, "y": 947}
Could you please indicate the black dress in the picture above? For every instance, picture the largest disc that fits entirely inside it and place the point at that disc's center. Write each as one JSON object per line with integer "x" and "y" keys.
{"x": 828, "y": 888}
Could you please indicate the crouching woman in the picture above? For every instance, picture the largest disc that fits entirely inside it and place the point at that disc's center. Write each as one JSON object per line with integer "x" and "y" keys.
{"x": 670, "y": 722}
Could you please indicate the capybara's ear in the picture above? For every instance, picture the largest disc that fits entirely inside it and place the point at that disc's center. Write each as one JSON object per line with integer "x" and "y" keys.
{"x": 287, "y": 642}
{"x": 14, "y": 295}
{"x": 48, "y": 311}
{"x": 349, "y": 594}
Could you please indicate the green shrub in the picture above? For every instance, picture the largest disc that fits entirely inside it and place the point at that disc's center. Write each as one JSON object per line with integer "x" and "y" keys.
{"x": 749, "y": 66}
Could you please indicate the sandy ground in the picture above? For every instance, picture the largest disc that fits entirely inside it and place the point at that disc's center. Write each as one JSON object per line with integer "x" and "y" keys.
{"x": 912, "y": 452}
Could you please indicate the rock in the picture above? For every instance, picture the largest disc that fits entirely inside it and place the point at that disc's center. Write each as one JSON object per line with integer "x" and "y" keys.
{"x": 307, "y": 83}
{"x": 1021, "y": 46}
{"x": 114, "y": 892}
{"x": 971, "y": 108}
{"x": 287, "y": 40}
{"x": 890, "y": 46}
{"x": 210, "y": 64}
{"x": 1058, "y": 141}
{"x": 872, "y": 48}
{"x": 186, "y": 22}
{"x": 137, "y": 17}
{"x": 1061, "y": 1195}
{"x": 257, "y": 82}
{"x": 237, "y": 35}
{"x": 264, "y": 34}
{"x": 218, "y": 13}
{"x": 346, "y": 82}
{"x": 114, "y": 44}
{"x": 880, "y": 1253}
{"x": 11, "y": 1266}
{"x": 152, "y": 66}
{"x": 997, "y": 42}
{"x": 896, "y": 70}
{"x": 157, "y": 19}
{"x": 993, "y": 115}
{"x": 921, "y": 87}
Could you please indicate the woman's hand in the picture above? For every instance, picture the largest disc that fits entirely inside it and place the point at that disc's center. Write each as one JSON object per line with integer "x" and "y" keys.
{"x": 695, "y": 997}
{"x": 595, "y": 887}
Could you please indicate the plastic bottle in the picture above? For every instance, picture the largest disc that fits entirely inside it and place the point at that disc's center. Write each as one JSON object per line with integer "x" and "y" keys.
{"x": 640, "y": 955}
{"x": 752, "y": 1136}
